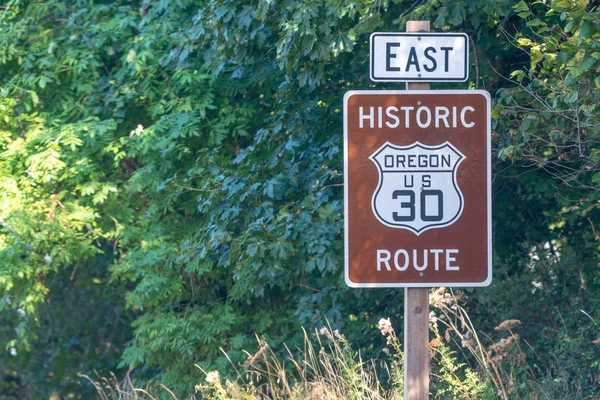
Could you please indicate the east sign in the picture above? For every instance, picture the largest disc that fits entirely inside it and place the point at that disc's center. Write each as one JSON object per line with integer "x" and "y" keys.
{"x": 417, "y": 188}
{"x": 426, "y": 57}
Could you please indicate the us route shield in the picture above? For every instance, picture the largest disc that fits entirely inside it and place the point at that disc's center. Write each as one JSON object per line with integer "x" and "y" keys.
{"x": 417, "y": 186}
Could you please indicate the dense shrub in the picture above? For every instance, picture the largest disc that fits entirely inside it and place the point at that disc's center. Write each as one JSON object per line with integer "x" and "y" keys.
{"x": 185, "y": 157}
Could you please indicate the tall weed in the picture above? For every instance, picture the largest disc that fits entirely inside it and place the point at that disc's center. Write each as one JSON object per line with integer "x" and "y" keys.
{"x": 465, "y": 364}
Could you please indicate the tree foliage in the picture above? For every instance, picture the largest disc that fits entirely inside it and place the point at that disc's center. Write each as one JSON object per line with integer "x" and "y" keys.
{"x": 187, "y": 155}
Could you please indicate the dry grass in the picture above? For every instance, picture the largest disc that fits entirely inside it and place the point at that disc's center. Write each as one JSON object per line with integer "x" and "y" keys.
{"x": 329, "y": 371}
{"x": 113, "y": 389}
{"x": 492, "y": 361}
{"x": 327, "y": 368}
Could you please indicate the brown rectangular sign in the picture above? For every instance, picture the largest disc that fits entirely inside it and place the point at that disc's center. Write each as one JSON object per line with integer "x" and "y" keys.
{"x": 417, "y": 188}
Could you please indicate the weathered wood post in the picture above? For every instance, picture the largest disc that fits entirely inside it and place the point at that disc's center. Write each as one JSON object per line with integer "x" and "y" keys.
{"x": 416, "y": 304}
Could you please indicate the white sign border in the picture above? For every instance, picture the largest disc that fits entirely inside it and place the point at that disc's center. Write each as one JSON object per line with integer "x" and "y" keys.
{"x": 372, "y": 60}
{"x": 488, "y": 280}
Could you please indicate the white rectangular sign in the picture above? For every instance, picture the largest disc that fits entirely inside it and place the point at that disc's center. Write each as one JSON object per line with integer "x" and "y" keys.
{"x": 423, "y": 57}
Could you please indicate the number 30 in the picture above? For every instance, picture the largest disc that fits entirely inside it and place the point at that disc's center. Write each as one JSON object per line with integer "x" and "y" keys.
{"x": 410, "y": 205}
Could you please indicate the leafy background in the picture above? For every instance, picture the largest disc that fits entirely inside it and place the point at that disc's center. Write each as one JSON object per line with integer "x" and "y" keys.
{"x": 171, "y": 182}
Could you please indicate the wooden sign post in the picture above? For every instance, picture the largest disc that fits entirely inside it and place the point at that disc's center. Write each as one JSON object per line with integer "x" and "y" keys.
{"x": 417, "y": 181}
{"x": 416, "y": 304}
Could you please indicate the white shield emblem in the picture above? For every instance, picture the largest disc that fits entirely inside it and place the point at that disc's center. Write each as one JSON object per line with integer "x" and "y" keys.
{"x": 417, "y": 186}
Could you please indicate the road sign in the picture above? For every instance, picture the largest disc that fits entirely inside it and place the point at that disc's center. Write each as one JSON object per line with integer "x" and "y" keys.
{"x": 417, "y": 188}
{"x": 424, "y": 57}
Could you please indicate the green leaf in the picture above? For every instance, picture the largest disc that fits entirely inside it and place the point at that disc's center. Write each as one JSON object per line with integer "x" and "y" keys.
{"x": 569, "y": 26}
{"x": 574, "y": 96}
{"x": 521, "y": 7}
{"x": 588, "y": 63}
{"x": 536, "y": 55}
{"x": 456, "y": 14}
{"x": 525, "y": 42}
{"x": 518, "y": 75}
{"x": 562, "y": 4}
{"x": 584, "y": 30}
{"x": 535, "y": 22}
{"x": 575, "y": 72}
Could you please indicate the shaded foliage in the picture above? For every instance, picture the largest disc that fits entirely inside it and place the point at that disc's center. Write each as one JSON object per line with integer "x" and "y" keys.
{"x": 200, "y": 143}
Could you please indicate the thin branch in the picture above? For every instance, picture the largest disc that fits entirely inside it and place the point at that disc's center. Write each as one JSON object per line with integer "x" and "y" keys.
{"x": 476, "y": 54}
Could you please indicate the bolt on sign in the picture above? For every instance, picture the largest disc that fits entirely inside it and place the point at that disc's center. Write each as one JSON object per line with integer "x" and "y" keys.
{"x": 417, "y": 188}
